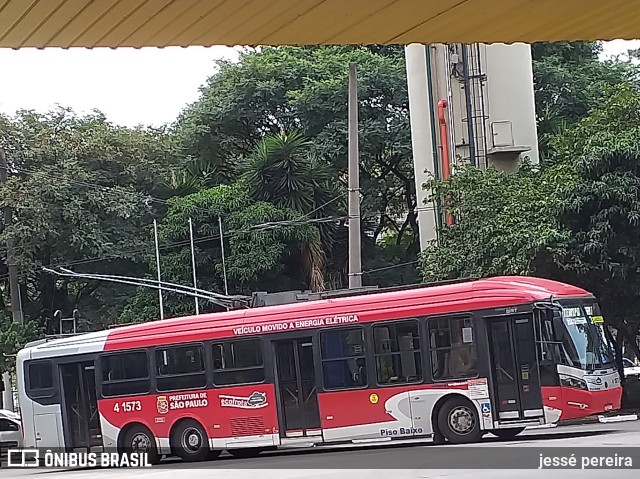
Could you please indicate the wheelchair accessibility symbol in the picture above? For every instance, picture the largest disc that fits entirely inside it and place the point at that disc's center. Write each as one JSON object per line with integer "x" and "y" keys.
{"x": 486, "y": 408}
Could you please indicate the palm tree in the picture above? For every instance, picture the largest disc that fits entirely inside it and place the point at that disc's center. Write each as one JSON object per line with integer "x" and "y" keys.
{"x": 283, "y": 170}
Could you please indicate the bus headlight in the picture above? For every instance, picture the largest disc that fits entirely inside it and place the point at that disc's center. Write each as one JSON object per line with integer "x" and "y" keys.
{"x": 573, "y": 382}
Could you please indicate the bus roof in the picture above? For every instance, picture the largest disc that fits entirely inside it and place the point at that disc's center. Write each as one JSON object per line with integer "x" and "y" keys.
{"x": 478, "y": 294}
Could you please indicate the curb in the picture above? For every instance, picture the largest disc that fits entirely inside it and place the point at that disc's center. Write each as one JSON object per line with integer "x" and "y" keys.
{"x": 543, "y": 426}
{"x": 628, "y": 417}
{"x": 599, "y": 419}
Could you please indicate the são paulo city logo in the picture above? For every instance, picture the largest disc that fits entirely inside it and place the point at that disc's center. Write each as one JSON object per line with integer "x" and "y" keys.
{"x": 255, "y": 401}
{"x": 162, "y": 404}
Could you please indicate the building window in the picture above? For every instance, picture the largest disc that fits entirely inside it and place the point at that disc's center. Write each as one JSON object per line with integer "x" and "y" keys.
{"x": 453, "y": 352}
{"x": 125, "y": 373}
{"x": 397, "y": 351}
{"x": 238, "y": 362}
{"x": 343, "y": 358}
{"x": 180, "y": 367}
{"x": 40, "y": 375}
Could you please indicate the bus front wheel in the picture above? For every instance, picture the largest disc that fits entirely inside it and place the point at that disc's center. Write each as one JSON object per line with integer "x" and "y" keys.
{"x": 139, "y": 439}
{"x": 190, "y": 442}
{"x": 458, "y": 421}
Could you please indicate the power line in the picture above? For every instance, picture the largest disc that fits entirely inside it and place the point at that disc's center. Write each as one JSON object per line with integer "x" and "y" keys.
{"x": 393, "y": 266}
{"x": 119, "y": 189}
{"x": 252, "y": 229}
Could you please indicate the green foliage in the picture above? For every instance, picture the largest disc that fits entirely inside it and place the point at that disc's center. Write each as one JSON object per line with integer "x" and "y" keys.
{"x": 79, "y": 192}
{"x": 569, "y": 81}
{"x": 13, "y": 336}
{"x": 576, "y": 219}
{"x": 602, "y": 209}
{"x": 304, "y": 89}
{"x": 260, "y": 255}
{"x": 283, "y": 170}
{"x": 504, "y": 223}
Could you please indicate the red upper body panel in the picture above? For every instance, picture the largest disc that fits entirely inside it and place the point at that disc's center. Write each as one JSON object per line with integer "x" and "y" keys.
{"x": 422, "y": 301}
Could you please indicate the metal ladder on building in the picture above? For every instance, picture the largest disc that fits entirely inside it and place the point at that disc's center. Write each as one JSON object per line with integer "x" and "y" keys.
{"x": 474, "y": 80}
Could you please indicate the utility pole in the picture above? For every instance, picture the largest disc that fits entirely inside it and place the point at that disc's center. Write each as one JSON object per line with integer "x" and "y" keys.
{"x": 155, "y": 235}
{"x": 14, "y": 285}
{"x": 193, "y": 265}
{"x": 355, "y": 258}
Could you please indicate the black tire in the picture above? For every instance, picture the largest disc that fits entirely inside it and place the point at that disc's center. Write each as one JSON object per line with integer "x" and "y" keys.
{"x": 213, "y": 454}
{"x": 189, "y": 441}
{"x": 139, "y": 439}
{"x": 507, "y": 433}
{"x": 245, "y": 452}
{"x": 458, "y": 421}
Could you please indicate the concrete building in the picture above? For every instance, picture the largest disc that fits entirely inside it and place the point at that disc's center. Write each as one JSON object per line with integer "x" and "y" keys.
{"x": 483, "y": 97}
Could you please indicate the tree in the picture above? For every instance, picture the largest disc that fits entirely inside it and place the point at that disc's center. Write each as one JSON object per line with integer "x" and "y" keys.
{"x": 601, "y": 209}
{"x": 505, "y": 223}
{"x": 264, "y": 247}
{"x": 284, "y": 171}
{"x": 570, "y": 80}
{"x": 576, "y": 219}
{"x": 13, "y": 337}
{"x": 305, "y": 89}
{"x": 80, "y": 190}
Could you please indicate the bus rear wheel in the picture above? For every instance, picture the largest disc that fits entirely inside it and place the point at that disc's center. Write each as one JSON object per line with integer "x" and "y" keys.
{"x": 507, "y": 433}
{"x": 189, "y": 441}
{"x": 138, "y": 439}
{"x": 458, "y": 421}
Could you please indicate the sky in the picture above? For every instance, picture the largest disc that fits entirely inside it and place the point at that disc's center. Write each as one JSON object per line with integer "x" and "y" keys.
{"x": 131, "y": 87}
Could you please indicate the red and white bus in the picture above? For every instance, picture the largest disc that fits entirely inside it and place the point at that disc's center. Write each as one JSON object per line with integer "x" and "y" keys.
{"x": 453, "y": 362}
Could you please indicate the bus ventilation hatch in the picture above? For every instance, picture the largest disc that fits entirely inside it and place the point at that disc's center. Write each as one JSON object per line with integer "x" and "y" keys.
{"x": 247, "y": 426}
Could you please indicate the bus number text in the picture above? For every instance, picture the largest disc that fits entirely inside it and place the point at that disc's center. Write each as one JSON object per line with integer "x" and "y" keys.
{"x": 127, "y": 406}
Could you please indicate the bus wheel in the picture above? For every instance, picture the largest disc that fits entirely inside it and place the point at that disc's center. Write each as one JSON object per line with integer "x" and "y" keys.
{"x": 189, "y": 441}
{"x": 242, "y": 452}
{"x": 139, "y": 439}
{"x": 458, "y": 421}
{"x": 507, "y": 433}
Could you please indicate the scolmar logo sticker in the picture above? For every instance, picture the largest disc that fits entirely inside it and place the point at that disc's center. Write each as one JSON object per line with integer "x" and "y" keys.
{"x": 255, "y": 401}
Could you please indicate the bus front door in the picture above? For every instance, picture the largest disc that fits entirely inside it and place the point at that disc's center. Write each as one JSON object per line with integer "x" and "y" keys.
{"x": 514, "y": 365}
{"x": 299, "y": 413}
{"x": 80, "y": 406}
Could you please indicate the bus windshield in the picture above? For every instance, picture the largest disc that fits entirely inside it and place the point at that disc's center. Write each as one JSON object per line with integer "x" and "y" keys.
{"x": 586, "y": 345}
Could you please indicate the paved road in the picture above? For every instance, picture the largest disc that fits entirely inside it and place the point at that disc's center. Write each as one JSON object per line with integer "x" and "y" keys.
{"x": 396, "y": 461}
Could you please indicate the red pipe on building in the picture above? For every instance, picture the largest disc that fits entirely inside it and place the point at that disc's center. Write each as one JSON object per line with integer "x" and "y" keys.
{"x": 444, "y": 141}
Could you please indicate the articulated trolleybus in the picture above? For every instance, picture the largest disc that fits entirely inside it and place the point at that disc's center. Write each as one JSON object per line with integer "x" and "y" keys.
{"x": 453, "y": 361}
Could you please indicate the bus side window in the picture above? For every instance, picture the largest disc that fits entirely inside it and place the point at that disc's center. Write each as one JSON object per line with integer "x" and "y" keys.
{"x": 39, "y": 377}
{"x": 125, "y": 373}
{"x": 453, "y": 353}
{"x": 238, "y": 362}
{"x": 397, "y": 352}
{"x": 343, "y": 358}
{"x": 180, "y": 367}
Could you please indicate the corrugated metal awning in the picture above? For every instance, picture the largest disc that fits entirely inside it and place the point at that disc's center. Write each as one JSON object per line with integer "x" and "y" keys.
{"x": 160, "y": 23}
